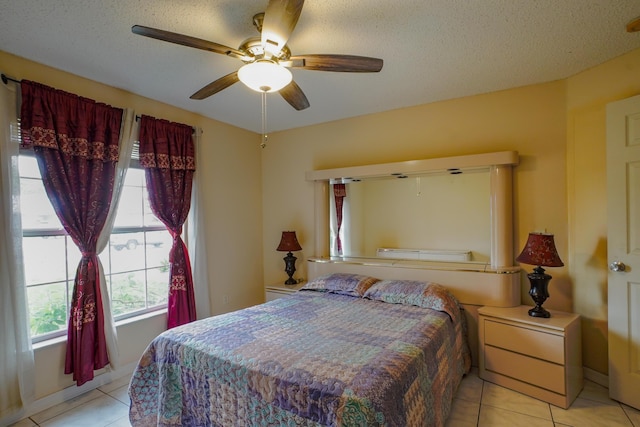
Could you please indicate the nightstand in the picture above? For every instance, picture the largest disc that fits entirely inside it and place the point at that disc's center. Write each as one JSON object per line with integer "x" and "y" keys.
{"x": 535, "y": 356}
{"x": 280, "y": 290}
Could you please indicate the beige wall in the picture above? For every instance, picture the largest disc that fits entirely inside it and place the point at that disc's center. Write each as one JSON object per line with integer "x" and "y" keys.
{"x": 587, "y": 96}
{"x": 530, "y": 120}
{"x": 559, "y": 187}
{"x": 230, "y": 173}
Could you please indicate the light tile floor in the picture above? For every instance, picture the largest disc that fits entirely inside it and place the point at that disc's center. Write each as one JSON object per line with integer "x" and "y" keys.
{"x": 477, "y": 403}
{"x": 481, "y": 403}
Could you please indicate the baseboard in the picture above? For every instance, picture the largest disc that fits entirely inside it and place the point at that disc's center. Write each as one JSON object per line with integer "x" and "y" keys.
{"x": 596, "y": 377}
{"x": 69, "y": 393}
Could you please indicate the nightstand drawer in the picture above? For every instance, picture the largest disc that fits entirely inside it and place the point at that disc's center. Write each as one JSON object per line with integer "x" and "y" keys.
{"x": 536, "y": 344}
{"x": 526, "y": 369}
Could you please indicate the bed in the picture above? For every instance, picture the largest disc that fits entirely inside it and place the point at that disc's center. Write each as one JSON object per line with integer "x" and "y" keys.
{"x": 348, "y": 350}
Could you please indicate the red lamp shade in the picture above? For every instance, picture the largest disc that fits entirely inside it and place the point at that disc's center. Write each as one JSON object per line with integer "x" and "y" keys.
{"x": 289, "y": 242}
{"x": 540, "y": 250}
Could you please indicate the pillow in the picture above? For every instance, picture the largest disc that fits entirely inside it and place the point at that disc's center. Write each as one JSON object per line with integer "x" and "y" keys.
{"x": 411, "y": 292}
{"x": 341, "y": 283}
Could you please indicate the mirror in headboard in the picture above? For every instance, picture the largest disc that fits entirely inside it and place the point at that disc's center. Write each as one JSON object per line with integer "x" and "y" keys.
{"x": 458, "y": 208}
{"x": 412, "y": 216}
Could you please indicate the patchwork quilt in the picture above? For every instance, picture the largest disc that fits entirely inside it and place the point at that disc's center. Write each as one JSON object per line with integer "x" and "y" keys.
{"x": 317, "y": 357}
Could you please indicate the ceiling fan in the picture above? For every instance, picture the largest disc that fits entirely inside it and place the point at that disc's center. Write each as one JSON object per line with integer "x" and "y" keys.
{"x": 267, "y": 58}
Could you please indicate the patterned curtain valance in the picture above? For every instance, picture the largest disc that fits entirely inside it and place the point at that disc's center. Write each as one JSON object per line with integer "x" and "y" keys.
{"x": 162, "y": 145}
{"x": 74, "y": 125}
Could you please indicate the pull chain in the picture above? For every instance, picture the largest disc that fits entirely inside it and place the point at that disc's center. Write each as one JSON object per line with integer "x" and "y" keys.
{"x": 265, "y": 137}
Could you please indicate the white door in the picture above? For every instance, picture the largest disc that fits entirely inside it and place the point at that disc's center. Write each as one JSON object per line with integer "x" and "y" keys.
{"x": 623, "y": 217}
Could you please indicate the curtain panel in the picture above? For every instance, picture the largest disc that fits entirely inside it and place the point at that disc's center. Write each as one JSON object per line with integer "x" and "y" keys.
{"x": 168, "y": 155}
{"x": 196, "y": 232}
{"x": 76, "y": 142}
{"x": 128, "y": 136}
{"x": 16, "y": 353}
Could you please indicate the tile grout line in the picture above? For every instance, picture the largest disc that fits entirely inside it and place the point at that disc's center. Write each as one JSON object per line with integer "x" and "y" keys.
{"x": 480, "y": 405}
{"x": 625, "y": 413}
{"x": 70, "y": 409}
{"x": 551, "y": 413}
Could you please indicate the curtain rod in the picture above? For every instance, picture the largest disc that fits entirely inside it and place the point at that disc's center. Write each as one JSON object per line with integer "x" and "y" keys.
{"x": 6, "y": 79}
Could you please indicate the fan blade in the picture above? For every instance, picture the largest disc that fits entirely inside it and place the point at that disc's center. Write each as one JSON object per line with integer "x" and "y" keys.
{"x": 280, "y": 19}
{"x": 183, "y": 40}
{"x": 216, "y": 86}
{"x": 295, "y": 96}
{"x": 342, "y": 63}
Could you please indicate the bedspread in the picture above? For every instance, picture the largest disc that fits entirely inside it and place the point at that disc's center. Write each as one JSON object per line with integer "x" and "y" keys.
{"x": 307, "y": 359}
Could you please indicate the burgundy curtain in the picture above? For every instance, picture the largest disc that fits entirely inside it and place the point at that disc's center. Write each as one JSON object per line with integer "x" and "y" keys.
{"x": 75, "y": 140}
{"x": 167, "y": 154}
{"x": 339, "y": 193}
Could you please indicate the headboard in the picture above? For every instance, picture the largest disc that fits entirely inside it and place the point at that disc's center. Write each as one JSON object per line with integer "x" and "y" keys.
{"x": 499, "y": 165}
{"x": 473, "y": 284}
{"x": 468, "y": 285}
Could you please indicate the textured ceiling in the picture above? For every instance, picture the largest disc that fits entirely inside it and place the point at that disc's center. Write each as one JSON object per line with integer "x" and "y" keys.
{"x": 432, "y": 49}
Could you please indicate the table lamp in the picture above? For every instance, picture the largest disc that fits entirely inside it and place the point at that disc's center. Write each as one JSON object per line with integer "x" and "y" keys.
{"x": 540, "y": 250}
{"x": 289, "y": 243}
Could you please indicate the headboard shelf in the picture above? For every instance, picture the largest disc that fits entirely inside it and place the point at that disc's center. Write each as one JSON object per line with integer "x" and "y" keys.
{"x": 498, "y": 164}
{"x": 417, "y": 167}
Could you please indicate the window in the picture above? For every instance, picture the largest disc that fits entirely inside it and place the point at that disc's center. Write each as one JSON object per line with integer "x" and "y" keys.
{"x": 136, "y": 261}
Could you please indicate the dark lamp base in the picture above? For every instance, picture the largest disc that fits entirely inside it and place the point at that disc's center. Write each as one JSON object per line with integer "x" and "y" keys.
{"x": 290, "y": 281}
{"x": 290, "y": 268}
{"x": 538, "y": 311}
{"x": 539, "y": 284}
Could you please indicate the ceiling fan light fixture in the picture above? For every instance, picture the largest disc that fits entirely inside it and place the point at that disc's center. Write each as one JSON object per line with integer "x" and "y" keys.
{"x": 267, "y": 57}
{"x": 264, "y": 76}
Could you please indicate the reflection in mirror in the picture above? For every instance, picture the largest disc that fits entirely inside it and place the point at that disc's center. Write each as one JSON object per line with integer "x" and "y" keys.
{"x": 445, "y": 215}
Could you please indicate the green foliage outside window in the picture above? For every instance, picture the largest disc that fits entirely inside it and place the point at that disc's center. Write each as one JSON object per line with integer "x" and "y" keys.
{"x": 48, "y": 308}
